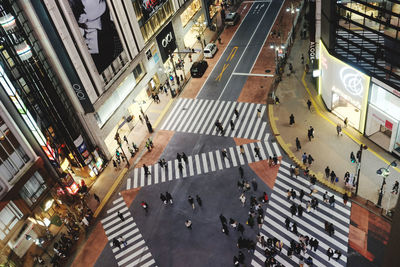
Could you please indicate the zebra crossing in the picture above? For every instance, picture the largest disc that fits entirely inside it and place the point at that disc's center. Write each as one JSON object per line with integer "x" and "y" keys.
{"x": 311, "y": 224}
{"x": 199, "y": 116}
{"x": 202, "y": 163}
{"x": 136, "y": 253}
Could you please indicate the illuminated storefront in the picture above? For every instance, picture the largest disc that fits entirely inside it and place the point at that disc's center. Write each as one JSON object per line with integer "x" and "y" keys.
{"x": 343, "y": 89}
{"x": 190, "y": 11}
{"x": 383, "y": 118}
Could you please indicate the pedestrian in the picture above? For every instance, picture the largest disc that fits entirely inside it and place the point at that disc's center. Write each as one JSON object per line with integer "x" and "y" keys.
{"x": 241, "y": 257}
{"x": 199, "y": 201}
{"x": 329, "y": 253}
{"x": 310, "y": 159}
{"x": 327, "y": 172}
{"x": 180, "y": 166}
{"x": 257, "y": 152}
{"x": 311, "y": 132}
{"x": 233, "y": 223}
{"x": 302, "y": 193}
{"x": 331, "y": 230}
{"x": 116, "y": 243}
{"x": 188, "y": 224}
{"x": 141, "y": 119}
{"x": 163, "y": 198}
{"x": 121, "y": 216}
{"x": 242, "y": 199}
{"x": 302, "y": 59}
{"x": 345, "y": 198}
{"x": 395, "y": 188}
{"x": 293, "y": 209}
{"x": 294, "y": 228}
{"x": 287, "y": 223}
{"x": 241, "y": 148}
{"x": 241, "y": 172}
{"x": 314, "y": 203}
{"x": 293, "y": 193}
{"x": 144, "y": 206}
{"x": 260, "y": 221}
{"x": 236, "y": 262}
{"x": 333, "y": 177}
{"x": 325, "y": 197}
{"x": 290, "y": 68}
{"x": 309, "y": 104}
{"x": 240, "y": 228}
{"x": 277, "y": 101}
{"x": 122, "y": 240}
{"x": 168, "y": 197}
{"x": 191, "y": 201}
{"x": 338, "y": 254}
{"x": 259, "y": 113}
{"x": 300, "y": 210}
{"x": 178, "y": 157}
{"x": 297, "y": 171}
{"x": 96, "y": 197}
{"x": 146, "y": 170}
{"x": 338, "y": 129}
{"x": 291, "y": 170}
{"x": 232, "y": 125}
{"x": 236, "y": 113}
{"x": 288, "y": 194}
{"x": 298, "y": 145}
{"x": 225, "y": 229}
{"x": 304, "y": 158}
{"x": 346, "y": 120}
{"x": 224, "y": 154}
{"x": 270, "y": 161}
{"x": 254, "y": 184}
{"x": 332, "y": 201}
{"x": 184, "y": 157}
{"x": 291, "y": 119}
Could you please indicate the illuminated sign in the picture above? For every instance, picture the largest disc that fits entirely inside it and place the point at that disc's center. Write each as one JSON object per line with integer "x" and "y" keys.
{"x": 73, "y": 189}
{"x": 352, "y": 80}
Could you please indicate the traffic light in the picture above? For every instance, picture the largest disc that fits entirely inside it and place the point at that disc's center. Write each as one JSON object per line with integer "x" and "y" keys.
{"x": 171, "y": 78}
{"x": 117, "y": 153}
{"x": 352, "y": 157}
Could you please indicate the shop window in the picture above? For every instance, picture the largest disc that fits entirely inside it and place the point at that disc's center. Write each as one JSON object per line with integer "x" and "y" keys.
{"x": 9, "y": 216}
{"x": 138, "y": 72}
{"x": 33, "y": 189}
{"x": 386, "y": 101}
{"x": 190, "y": 11}
{"x": 8, "y": 58}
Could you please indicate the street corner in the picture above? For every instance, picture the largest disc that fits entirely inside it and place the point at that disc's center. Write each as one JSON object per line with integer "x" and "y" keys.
{"x": 255, "y": 90}
{"x": 130, "y": 195}
{"x": 243, "y": 141}
{"x": 358, "y": 242}
{"x": 378, "y": 228}
{"x": 160, "y": 141}
{"x": 265, "y": 172}
{"x": 359, "y": 217}
{"x": 92, "y": 248}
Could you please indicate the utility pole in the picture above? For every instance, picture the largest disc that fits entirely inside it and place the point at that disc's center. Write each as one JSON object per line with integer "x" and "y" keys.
{"x": 118, "y": 139}
{"x": 359, "y": 155}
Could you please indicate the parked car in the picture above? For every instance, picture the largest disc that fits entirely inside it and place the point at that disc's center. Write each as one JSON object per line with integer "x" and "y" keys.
{"x": 232, "y": 18}
{"x": 198, "y": 68}
{"x": 210, "y": 50}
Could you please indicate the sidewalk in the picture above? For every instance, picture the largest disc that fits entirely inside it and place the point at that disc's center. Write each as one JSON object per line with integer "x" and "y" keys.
{"x": 327, "y": 148}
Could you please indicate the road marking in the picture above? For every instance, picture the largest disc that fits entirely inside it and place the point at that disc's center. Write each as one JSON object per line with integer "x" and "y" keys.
{"x": 176, "y": 169}
{"x": 222, "y": 72}
{"x": 169, "y": 170}
{"x": 156, "y": 173}
{"x": 128, "y": 184}
{"x": 163, "y": 170}
{"x": 191, "y": 172}
{"x": 249, "y": 127}
{"x": 246, "y": 151}
{"x": 212, "y": 161}
{"x": 198, "y": 166}
{"x": 232, "y": 153}
{"x": 204, "y": 162}
{"x": 219, "y": 161}
{"x": 142, "y": 178}
{"x": 135, "y": 177}
{"x": 232, "y": 53}
{"x": 253, "y": 74}
{"x": 257, "y": 123}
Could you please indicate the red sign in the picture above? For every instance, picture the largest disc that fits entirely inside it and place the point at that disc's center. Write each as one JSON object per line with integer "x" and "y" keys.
{"x": 388, "y": 125}
{"x": 73, "y": 189}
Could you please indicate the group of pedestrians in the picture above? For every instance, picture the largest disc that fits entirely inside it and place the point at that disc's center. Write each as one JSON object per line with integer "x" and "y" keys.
{"x": 181, "y": 157}
{"x": 272, "y": 247}
{"x": 220, "y": 129}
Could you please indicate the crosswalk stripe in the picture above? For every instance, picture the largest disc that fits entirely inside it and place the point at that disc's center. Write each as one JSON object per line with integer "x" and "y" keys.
{"x": 172, "y": 114}
{"x": 246, "y": 119}
{"x": 263, "y": 128}
{"x": 188, "y": 113}
{"x": 116, "y": 207}
{"x": 209, "y": 120}
{"x": 211, "y": 126}
{"x": 212, "y": 161}
{"x": 178, "y": 112}
{"x": 129, "y": 241}
{"x": 120, "y": 199}
{"x": 229, "y": 131}
{"x": 150, "y": 175}
{"x": 269, "y": 150}
{"x": 246, "y": 152}
{"x": 176, "y": 169}
{"x": 150, "y": 262}
{"x": 276, "y": 148}
{"x": 227, "y": 161}
{"x": 253, "y": 135}
{"x": 184, "y": 173}
{"x": 191, "y": 172}
{"x": 260, "y": 145}
{"x": 131, "y": 248}
{"x": 198, "y": 115}
{"x": 219, "y": 161}
{"x": 142, "y": 178}
{"x": 113, "y": 215}
{"x": 225, "y": 119}
{"x": 229, "y": 117}
{"x": 240, "y": 156}
{"x": 135, "y": 177}
{"x": 138, "y": 252}
{"x": 205, "y": 114}
{"x": 169, "y": 170}
{"x": 156, "y": 173}
{"x": 118, "y": 226}
{"x": 163, "y": 170}
{"x": 255, "y": 264}
{"x": 136, "y": 262}
{"x": 241, "y": 108}
{"x": 182, "y": 114}
{"x": 198, "y": 167}
{"x": 251, "y": 122}
{"x": 205, "y": 166}
{"x": 192, "y": 114}
{"x": 233, "y": 157}
{"x": 128, "y": 184}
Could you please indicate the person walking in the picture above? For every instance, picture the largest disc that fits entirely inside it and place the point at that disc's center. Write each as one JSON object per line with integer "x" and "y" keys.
{"x": 260, "y": 221}
{"x": 122, "y": 240}
{"x": 184, "y": 157}
{"x": 327, "y": 172}
{"x": 332, "y": 201}
{"x": 329, "y": 253}
{"x": 337, "y": 254}
{"x": 224, "y": 154}
{"x": 232, "y": 124}
{"x": 312, "y": 132}
{"x": 96, "y": 197}
{"x": 294, "y": 228}
{"x": 300, "y": 210}
{"x": 296, "y": 171}
{"x": 293, "y": 209}
{"x": 121, "y": 216}
{"x": 254, "y": 184}
{"x": 257, "y": 152}
{"x": 168, "y": 197}
{"x": 259, "y": 113}
{"x": 144, "y": 206}
{"x": 191, "y": 201}
{"x": 304, "y": 158}
{"x": 241, "y": 257}
{"x": 325, "y": 197}
{"x": 298, "y": 145}
{"x": 241, "y": 148}
{"x": 345, "y": 198}
{"x": 178, "y": 157}
{"x": 240, "y": 228}
{"x": 180, "y": 167}
{"x": 188, "y": 224}
{"x": 309, "y": 104}
{"x": 291, "y": 119}
{"x": 310, "y": 159}
{"x": 163, "y": 198}
{"x": 302, "y": 59}
{"x": 116, "y": 243}
{"x": 199, "y": 201}
{"x": 241, "y": 172}
{"x": 333, "y": 177}
{"x": 395, "y": 188}
{"x": 225, "y": 229}
{"x": 236, "y": 113}
{"x": 287, "y": 223}
{"x": 338, "y": 129}
{"x": 346, "y": 120}
{"x": 146, "y": 170}
{"x": 242, "y": 199}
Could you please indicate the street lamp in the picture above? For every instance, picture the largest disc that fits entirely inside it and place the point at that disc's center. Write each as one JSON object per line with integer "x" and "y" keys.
{"x": 119, "y": 142}
{"x": 358, "y": 168}
{"x": 384, "y": 172}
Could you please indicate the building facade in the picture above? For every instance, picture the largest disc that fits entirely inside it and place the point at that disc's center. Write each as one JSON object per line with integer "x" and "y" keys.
{"x": 360, "y": 66}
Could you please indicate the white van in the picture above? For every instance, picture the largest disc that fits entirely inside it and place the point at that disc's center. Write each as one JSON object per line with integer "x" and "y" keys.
{"x": 210, "y": 50}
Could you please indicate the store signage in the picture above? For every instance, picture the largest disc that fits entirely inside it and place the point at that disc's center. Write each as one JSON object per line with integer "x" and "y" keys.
{"x": 166, "y": 41}
{"x": 148, "y": 54}
{"x": 388, "y": 125}
{"x": 352, "y": 81}
{"x": 311, "y": 51}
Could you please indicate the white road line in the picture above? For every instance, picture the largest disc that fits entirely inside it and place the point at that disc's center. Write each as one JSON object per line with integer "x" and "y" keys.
{"x": 156, "y": 173}
{"x": 142, "y": 258}
{"x": 179, "y": 112}
{"x": 172, "y": 114}
{"x": 219, "y": 161}
{"x": 190, "y": 159}
{"x": 269, "y": 150}
{"x": 224, "y": 119}
{"x": 250, "y": 126}
{"x": 190, "y": 119}
{"x": 163, "y": 170}
{"x": 125, "y": 251}
{"x": 229, "y": 116}
{"x": 142, "y": 177}
{"x": 212, "y": 163}
{"x": 194, "y": 121}
{"x": 246, "y": 151}
{"x": 170, "y": 170}
{"x": 118, "y": 226}
{"x": 183, "y": 122}
{"x": 134, "y": 255}
{"x": 233, "y": 157}
{"x": 211, "y": 126}
{"x": 113, "y": 215}
{"x": 176, "y": 169}
{"x": 253, "y": 74}
{"x": 116, "y": 219}
{"x": 198, "y": 166}
{"x": 135, "y": 178}
{"x": 262, "y": 130}
{"x": 116, "y": 207}
{"x": 205, "y": 167}
{"x": 252, "y": 146}
{"x": 276, "y": 148}
{"x": 147, "y": 264}
{"x": 206, "y": 114}
{"x": 245, "y": 120}
{"x": 128, "y": 184}
{"x": 117, "y": 200}
{"x": 209, "y": 118}
{"x": 239, "y": 121}
{"x": 150, "y": 176}
{"x": 260, "y": 145}
{"x": 184, "y": 173}
{"x": 254, "y": 132}
{"x": 129, "y": 241}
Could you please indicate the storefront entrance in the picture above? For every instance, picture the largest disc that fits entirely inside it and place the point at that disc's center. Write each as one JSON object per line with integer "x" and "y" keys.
{"x": 344, "y": 109}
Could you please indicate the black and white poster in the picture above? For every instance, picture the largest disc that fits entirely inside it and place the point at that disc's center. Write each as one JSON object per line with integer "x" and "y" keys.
{"x": 166, "y": 41}
{"x": 98, "y": 30}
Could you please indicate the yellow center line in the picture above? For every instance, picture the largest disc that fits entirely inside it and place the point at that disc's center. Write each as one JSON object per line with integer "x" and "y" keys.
{"x": 355, "y": 139}
{"x": 232, "y": 53}
{"x": 222, "y": 72}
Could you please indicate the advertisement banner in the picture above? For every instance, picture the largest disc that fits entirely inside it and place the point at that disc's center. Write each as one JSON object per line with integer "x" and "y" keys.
{"x": 98, "y": 30}
{"x": 149, "y": 8}
{"x": 311, "y": 30}
{"x": 166, "y": 41}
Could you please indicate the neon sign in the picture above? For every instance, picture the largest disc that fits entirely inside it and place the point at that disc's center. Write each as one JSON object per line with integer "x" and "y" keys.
{"x": 352, "y": 81}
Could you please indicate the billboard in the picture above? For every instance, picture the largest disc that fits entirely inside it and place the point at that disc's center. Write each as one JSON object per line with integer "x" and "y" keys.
{"x": 149, "y": 8}
{"x": 98, "y": 30}
{"x": 166, "y": 41}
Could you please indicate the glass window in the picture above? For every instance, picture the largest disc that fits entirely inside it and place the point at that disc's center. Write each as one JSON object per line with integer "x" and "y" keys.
{"x": 190, "y": 11}
{"x": 33, "y": 188}
{"x": 386, "y": 101}
{"x": 9, "y": 216}
{"x": 138, "y": 72}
